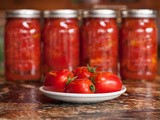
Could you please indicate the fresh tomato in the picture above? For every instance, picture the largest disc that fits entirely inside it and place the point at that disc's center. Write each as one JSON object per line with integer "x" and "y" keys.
{"x": 106, "y": 82}
{"x": 56, "y": 81}
{"x": 84, "y": 72}
{"x": 83, "y": 85}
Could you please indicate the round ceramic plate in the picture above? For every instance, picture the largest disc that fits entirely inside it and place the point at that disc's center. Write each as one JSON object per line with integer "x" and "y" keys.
{"x": 82, "y": 98}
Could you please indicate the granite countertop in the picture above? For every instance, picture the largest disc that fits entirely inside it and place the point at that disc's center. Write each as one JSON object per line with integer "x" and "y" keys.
{"x": 25, "y": 101}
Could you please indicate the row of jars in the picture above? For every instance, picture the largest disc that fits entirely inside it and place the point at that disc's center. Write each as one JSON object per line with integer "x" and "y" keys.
{"x": 31, "y": 51}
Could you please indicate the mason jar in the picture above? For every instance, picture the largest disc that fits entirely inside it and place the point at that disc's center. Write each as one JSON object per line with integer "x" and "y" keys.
{"x": 22, "y": 45}
{"x": 138, "y": 44}
{"x": 99, "y": 39}
{"x": 61, "y": 40}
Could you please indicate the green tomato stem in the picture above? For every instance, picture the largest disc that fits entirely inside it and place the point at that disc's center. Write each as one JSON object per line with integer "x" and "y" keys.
{"x": 92, "y": 88}
{"x": 90, "y": 69}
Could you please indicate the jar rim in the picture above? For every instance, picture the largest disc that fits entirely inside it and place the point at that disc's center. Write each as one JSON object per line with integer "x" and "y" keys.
{"x": 60, "y": 13}
{"x": 23, "y": 13}
{"x": 139, "y": 13}
{"x": 99, "y": 13}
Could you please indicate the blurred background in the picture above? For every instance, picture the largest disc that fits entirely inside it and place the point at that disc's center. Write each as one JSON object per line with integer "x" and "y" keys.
{"x": 75, "y": 4}
{"x": 70, "y": 4}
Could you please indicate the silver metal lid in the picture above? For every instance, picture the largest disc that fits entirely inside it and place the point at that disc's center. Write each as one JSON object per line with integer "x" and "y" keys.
{"x": 139, "y": 13}
{"x": 61, "y": 13}
{"x": 23, "y": 13}
{"x": 100, "y": 13}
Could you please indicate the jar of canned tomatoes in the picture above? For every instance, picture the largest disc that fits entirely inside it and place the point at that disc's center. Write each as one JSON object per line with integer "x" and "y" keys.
{"x": 99, "y": 39}
{"x": 22, "y": 45}
{"x": 61, "y": 40}
{"x": 138, "y": 44}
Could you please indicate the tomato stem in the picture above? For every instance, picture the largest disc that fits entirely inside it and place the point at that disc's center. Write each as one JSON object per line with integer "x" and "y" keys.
{"x": 91, "y": 69}
{"x": 69, "y": 79}
{"x": 92, "y": 88}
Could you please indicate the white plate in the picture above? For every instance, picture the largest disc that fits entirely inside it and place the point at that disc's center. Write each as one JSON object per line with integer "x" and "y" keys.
{"x": 82, "y": 98}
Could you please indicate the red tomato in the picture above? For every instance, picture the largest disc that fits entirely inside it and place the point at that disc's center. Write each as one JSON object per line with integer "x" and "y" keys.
{"x": 84, "y": 86}
{"x": 106, "y": 82}
{"x": 84, "y": 72}
{"x": 56, "y": 81}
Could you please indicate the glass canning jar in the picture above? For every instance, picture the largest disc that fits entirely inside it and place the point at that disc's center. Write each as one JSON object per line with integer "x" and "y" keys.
{"x": 22, "y": 45}
{"x": 61, "y": 40}
{"x": 99, "y": 39}
{"x": 138, "y": 44}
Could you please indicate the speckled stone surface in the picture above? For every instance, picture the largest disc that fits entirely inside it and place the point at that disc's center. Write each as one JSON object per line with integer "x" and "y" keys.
{"x": 25, "y": 101}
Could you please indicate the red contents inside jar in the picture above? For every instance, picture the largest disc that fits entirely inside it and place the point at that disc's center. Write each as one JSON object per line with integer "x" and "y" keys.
{"x": 22, "y": 49}
{"x": 138, "y": 48}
